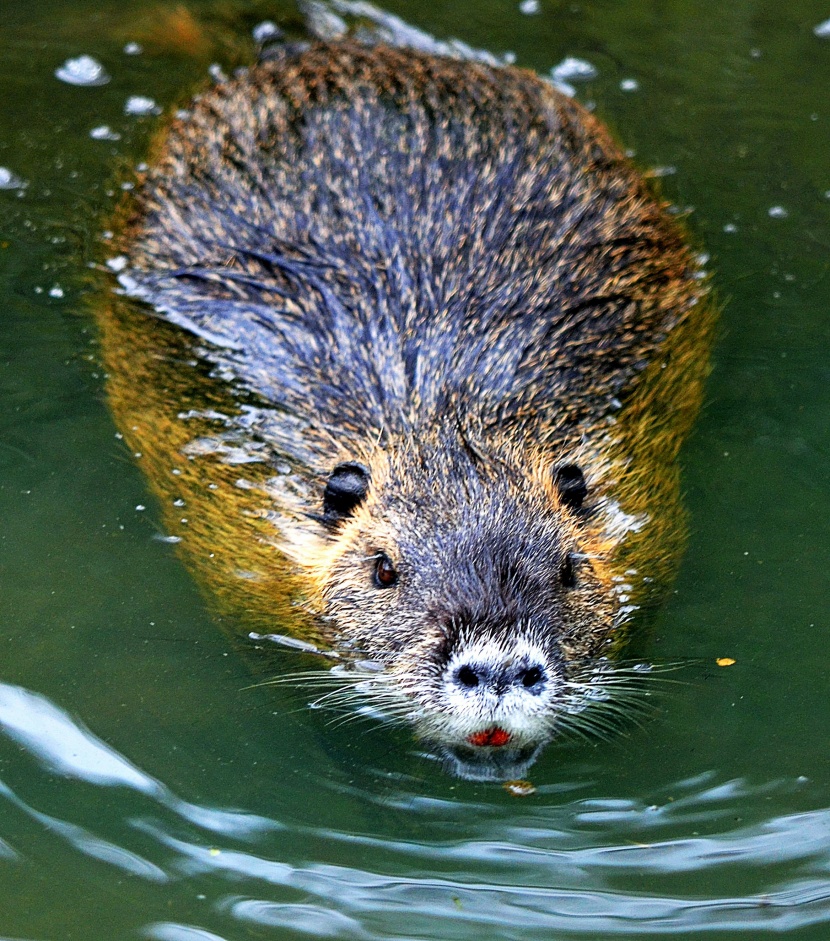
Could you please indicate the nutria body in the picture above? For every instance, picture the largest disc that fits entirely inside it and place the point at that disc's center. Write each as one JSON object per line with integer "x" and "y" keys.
{"x": 470, "y": 340}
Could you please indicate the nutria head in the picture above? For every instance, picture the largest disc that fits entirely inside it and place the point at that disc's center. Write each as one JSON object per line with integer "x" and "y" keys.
{"x": 470, "y": 577}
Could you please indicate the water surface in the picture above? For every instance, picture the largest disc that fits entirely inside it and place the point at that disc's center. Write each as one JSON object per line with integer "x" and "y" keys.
{"x": 147, "y": 791}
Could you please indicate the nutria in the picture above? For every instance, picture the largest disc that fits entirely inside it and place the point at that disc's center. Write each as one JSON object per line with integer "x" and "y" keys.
{"x": 459, "y": 342}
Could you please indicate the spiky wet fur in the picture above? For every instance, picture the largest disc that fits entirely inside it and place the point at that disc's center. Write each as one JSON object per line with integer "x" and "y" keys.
{"x": 450, "y": 273}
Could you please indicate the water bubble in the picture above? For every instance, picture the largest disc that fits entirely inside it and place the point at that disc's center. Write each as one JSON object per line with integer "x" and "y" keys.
{"x": 104, "y": 132}
{"x": 266, "y": 32}
{"x": 529, "y": 7}
{"x": 730, "y": 228}
{"x": 56, "y": 291}
{"x": 822, "y": 30}
{"x": 10, "y": 181}
{"x": 629, "y": 84}
{"x": 658, "y": 172}
{"x": 119, "y": 263}
{"x": 84, "y": 71}
{"x": 140, "y": 105}
{"x": 571, "y": 69}
{"x": 777, "y": 212}
{"x": 133, "y": 49}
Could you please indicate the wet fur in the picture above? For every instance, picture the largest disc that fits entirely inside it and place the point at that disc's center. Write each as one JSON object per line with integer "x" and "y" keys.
{"x": 450, "y": 273}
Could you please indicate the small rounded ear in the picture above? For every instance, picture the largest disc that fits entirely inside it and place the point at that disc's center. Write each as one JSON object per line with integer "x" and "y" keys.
{"x": 346, "y": 489}
{"x": 570, "y": 482}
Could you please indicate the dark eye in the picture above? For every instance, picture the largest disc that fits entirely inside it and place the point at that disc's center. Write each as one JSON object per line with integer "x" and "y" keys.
{"x": 385, "y": 573}
{"x": 567, "y": 573}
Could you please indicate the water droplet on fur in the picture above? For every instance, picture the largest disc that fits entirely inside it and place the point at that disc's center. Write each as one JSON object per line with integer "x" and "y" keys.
{"x": 370, "y": 666}
{"x": 84, "y": 71}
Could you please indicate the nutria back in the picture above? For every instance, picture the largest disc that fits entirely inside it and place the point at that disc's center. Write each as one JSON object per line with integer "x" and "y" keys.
{"x": 472, "y": 339}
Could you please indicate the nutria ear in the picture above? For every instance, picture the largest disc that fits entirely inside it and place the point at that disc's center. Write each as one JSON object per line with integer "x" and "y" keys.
{"x": 345, "y": 491}
{"x": 570, "y": 482}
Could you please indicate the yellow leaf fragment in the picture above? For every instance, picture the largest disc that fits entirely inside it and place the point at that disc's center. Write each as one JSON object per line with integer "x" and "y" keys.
{"x": 519, "y": 788}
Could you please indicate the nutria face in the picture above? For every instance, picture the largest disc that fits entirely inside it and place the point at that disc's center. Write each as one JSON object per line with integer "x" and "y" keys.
{"x": 472, "y": 582}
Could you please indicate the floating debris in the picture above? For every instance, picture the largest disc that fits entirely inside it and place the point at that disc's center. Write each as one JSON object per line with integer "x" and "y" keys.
{"x": 84, "y": 70}
{"x": 724, "y": 661}
{"x": 519, "y": 788}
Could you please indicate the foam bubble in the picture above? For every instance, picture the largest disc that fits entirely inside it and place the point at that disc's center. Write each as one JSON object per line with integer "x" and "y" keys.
{"x": 83, "y": 70}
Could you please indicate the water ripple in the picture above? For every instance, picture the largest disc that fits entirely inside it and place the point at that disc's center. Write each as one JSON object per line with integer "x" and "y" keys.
{"x": 600, "y": 866}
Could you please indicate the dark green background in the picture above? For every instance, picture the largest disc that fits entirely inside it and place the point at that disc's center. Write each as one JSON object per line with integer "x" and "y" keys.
{"x": 712, "y": 818}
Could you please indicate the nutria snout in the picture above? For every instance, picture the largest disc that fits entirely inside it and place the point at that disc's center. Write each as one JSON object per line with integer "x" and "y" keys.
{"x": 471, "y": 338}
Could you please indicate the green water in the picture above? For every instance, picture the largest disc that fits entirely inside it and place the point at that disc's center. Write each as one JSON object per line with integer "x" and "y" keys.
{"x": 146, "y": 791}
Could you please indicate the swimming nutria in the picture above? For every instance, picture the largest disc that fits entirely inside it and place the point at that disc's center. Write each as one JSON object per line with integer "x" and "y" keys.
{"x": 471, "y": 341}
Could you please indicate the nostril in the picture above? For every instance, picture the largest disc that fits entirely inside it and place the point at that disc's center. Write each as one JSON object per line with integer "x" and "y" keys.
{"x": 467, "y": 676}
{"x": 531, "y": 677}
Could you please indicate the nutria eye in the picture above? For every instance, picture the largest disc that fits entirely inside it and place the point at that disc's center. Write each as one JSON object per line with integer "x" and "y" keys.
{"x": 385, "y": 573}
{"x": 567, "y": 573}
